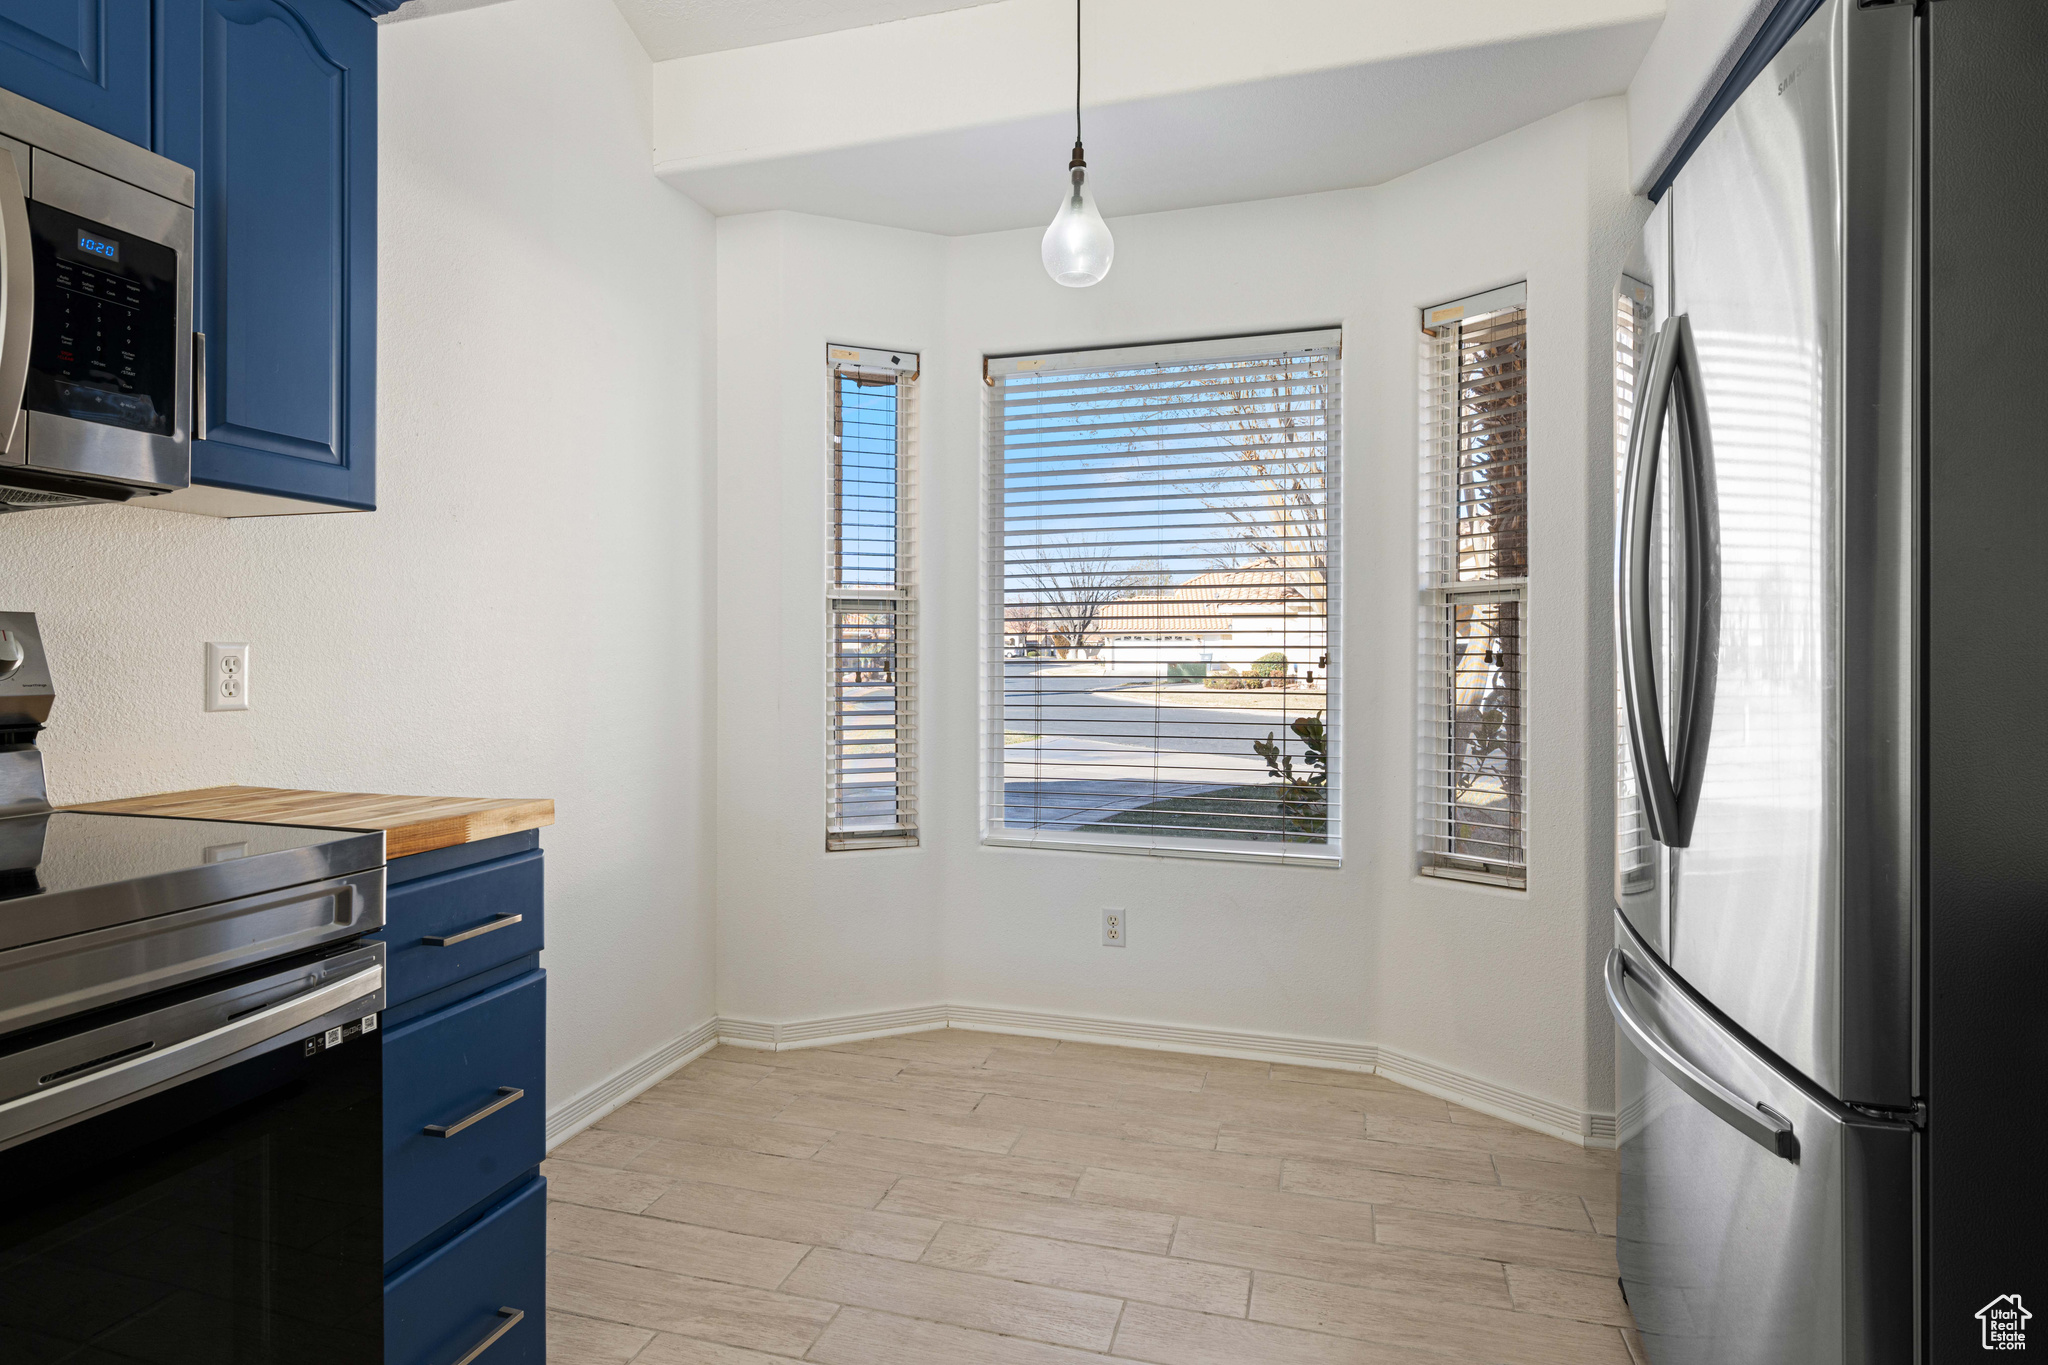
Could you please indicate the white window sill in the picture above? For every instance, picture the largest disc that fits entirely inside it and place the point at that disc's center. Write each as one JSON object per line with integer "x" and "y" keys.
{"x": 1234, "y": 851}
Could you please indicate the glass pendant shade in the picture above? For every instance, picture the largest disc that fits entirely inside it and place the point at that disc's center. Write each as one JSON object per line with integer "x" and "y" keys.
{"x": 1077, "y": 248}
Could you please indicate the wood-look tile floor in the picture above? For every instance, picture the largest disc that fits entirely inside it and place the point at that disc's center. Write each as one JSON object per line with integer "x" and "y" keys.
{"x": 958, "y": 1198}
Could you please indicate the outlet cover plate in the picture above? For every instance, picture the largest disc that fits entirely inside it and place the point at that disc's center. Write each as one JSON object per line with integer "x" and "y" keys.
{"x": 227, "y": 675}
{"x": 1114, "y": 929}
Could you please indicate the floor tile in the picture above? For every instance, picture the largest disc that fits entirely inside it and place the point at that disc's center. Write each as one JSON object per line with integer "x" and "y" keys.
{"x": 1488, "y": 1335}
{"x": 586, "y": 1341}
{"x": 753, "y": 1171}
{"x": 1496, "y": 1241}
{"x": 1337, "y": 1180}
{"x": 860, "y": 1337}
{"x": 571, "y": 1182}
{"x": 735, "y": 1315}
{"x": 956, "y": 1197}
{"x": 1170, "y": 1336}
{"x": 1593, "y": 1182}
{"x": 1092, "y": 1269}
{"x": 1065, "y": 1219}
{"x": 1396, "y": 1157}
{"x": 1020, "y": 1175}
{"x": 681, "y": 1248}
{"x": 1465, "y": 1137}
{"x": 1136, "y": 1123}
{"x": 904, "y": 1125}
{"x": 808, "y": 1221}
{"x": 1121, "y": 1154}
{"x": 1566, "y": 1294}
{"x": 1118, "y": 1071}
{"x": 1401, "y": 1270}
{"x": 716, "y": 1130}
{"x": 1006, "y": 1307}
{"x": 672, "y": 1350}
{"x": 1228, "y": 1203}
{"x": 894, "y": 1092}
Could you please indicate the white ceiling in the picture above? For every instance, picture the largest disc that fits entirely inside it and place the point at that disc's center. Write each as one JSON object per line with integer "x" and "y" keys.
{"x": 913, "y": 127}
{"x": 685, "y": 28}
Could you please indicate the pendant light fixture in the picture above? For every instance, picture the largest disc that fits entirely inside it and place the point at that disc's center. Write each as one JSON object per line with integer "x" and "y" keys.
{"x": 1077, "y": 248}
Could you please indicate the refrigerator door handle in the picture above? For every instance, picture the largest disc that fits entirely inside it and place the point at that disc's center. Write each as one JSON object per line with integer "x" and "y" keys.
{"x": 1768, "y": 1129}
{"x": 1670, "y": 792}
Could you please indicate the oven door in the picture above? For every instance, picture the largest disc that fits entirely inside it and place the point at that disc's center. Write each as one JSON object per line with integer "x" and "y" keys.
{"x": 197, "y": 1178}
{"x": 96, "y": 356}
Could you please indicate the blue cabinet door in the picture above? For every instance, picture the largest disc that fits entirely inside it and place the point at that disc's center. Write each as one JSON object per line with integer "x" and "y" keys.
{"x": 85, "y": 58}
{"x": 484, "y": 1288}
{"x": 465, "y": 1108}
{"x": 273, "y": 104}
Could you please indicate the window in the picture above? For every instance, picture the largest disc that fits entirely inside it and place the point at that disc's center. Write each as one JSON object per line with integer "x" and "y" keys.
{"x": 870, "y": 603}
{"x": 1162, "y": 651}
{"x": 1635, "y": 855}
{"x": 1472, "y": 809}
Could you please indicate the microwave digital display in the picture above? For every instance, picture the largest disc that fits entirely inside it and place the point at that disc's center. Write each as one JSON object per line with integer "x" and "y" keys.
{"x": 106, "y": 248}
{"x": 105, "y": 347}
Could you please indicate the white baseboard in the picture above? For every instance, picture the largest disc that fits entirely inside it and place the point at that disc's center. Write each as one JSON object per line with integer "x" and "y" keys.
{"x": 1488, "y": 1097}
{"x": 571, "y": 1117}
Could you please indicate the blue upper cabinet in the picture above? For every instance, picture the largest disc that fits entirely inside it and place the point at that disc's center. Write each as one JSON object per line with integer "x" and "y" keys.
{"x": 85, "y": 58}
{"x": 273, "y": 103}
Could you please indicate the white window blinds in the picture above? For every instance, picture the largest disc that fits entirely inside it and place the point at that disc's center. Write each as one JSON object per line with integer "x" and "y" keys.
{"x": 1635, "y": 856}
{"x": 1161, "y": 614}
{"x": 870, "y": 602}
{"x": 1472, "y": 806}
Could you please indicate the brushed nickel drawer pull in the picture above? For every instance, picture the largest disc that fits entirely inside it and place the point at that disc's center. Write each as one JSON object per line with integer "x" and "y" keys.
{"x": 512, "y": 1318}
{"x": 450, "y": 940}
{"x": 507, "y": 1094}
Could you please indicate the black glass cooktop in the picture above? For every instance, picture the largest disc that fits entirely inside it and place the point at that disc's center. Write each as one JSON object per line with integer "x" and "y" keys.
{"x": 68, "y": 871}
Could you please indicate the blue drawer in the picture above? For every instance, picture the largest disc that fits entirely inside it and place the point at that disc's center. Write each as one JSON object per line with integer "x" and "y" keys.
{"x": 443, "y": 1070}
{"x": 444, "y": 928}
{"x": 445, "y": 1304}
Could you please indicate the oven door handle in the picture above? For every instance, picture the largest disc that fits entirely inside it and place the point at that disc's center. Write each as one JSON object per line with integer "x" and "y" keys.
{"x": 17, "y": 297}
{"x": 53, "y": 1105}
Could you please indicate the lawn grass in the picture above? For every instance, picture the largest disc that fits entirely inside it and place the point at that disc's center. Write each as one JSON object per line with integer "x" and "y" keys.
{"x": 1228, "y": 813}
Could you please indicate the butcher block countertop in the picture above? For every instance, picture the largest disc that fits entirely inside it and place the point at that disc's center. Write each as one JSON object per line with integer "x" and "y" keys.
{"x": 411, "y": 824}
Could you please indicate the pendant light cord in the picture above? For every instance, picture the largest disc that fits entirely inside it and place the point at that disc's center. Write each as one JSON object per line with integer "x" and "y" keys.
{"x": 1077, "y": 160}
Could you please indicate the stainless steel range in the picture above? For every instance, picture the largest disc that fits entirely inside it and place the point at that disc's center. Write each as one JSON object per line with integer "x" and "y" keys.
{"x": 190, "y": 1121}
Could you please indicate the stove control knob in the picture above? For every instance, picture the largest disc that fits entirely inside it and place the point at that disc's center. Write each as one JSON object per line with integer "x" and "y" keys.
{"x": 12, "y": 655}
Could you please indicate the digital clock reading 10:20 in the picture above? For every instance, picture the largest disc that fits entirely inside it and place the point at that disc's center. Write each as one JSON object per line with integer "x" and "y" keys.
{"x": 106, "y": 248}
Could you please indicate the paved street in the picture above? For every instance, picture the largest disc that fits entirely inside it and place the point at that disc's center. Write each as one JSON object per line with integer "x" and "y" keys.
{"x": 1101, "y": 745}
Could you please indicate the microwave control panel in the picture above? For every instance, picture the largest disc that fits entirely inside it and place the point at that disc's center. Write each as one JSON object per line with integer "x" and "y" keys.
{"x": 106, "y": 322}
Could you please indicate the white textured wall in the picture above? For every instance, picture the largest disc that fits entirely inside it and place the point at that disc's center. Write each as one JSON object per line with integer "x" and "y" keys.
{"x": 528, "y": 611}
{"x": 1499, "y": 985}
{"x": 800, "y": 934}
{"x": 1695, "y": 48}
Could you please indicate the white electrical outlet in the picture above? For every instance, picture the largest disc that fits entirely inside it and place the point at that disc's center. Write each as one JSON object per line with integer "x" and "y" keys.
{"x": 1113, "y": 932}
{"x": 227, "y": 676}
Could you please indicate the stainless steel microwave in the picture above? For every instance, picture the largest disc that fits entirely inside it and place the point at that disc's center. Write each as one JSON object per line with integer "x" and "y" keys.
{"x": 97, "y": 352}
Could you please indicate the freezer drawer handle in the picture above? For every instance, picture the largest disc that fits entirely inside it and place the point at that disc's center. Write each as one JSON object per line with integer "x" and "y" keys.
{"x": 1770, "y": 1130}
{"x": 510, "y": 1318}
{"x": 507, "y": 1094}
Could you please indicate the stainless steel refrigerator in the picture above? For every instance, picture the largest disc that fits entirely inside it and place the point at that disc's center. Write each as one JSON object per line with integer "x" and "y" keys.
{"x": 1830, "y": 978}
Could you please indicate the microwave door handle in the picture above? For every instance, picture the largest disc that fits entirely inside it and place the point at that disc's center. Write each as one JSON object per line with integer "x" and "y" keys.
{"x": 17, "y": 296}
{"x": 1632, "y": 540}
{"x": 199, "y": 386}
